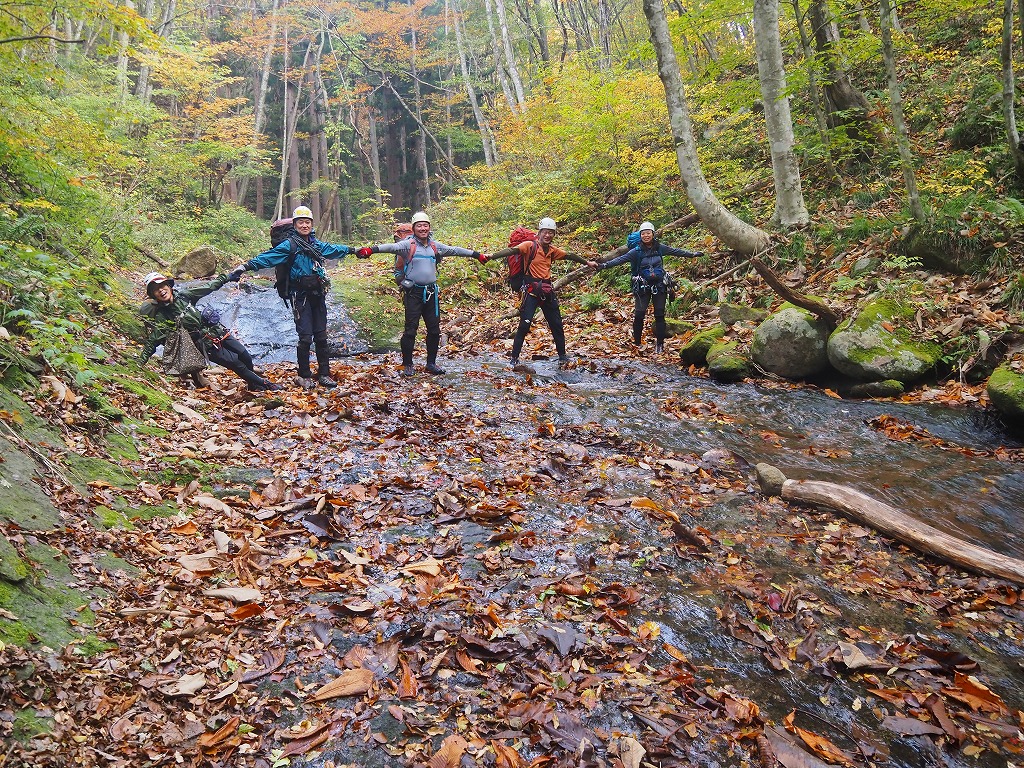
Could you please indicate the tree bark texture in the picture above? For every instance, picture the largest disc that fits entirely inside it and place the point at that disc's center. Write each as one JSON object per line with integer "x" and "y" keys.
{"x": 261, "y": 93}
{"x": 478, "y": 114}
{"x": 734, "y": 232}
{"x": 1009, "y": 89}
{"x": 905, "y": 529}
{"x": 789, "y": 198}
{"x": 899, "y": 124}
{"x": 510, "y": 58}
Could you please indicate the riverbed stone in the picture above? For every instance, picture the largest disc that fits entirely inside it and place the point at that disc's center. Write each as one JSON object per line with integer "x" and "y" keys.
{"x": 677, "y": 327}
{"x": 865, "y": 265}
{"x": 876, "y": 345}
{"x": 770, "y": 479}
{"x": 726, "y": 362}
{"x": 739, "y": 313}
{"x": 887, "y": 388}
{"x": 22, "y": 501}
{"x": 199, "y": 262}
{"x": 791, "y": 343}
{"x": 1006, "y": 391}
{"x": 695, "y": 351}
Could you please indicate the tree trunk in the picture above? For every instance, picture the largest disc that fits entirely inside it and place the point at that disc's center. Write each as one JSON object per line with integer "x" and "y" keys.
{"x": 142, "y": 82}
{"x": 604, "y": 34}
{"x": 1009, "y": 114}
{"x": 261, "y": 95}
{"x": 789, "y": 205}
{"x": 499, "y": 61}
{"x": 542, "y": 32}
{"x": 510, "y": 58}
{"x": 847, "y": 106}
{"x": 905, "y": 529}
{"x": 471, "y": 92}
{"x": 378, "y": 189}
{"x": 122, "y": 58}
{"x": 735, "y": 233}
{"x": 423, "y": 197}
{"x": 812, "y": 79}
{"x": 899, "y": 124}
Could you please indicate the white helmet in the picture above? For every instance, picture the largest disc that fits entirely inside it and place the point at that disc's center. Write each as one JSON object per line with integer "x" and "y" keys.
{"x": 547, "y": 223}
{"x": 646, "y": 225}
{"x": 420, "y": 216}
{"x": 302, "y": 212}
{"x": 154, "y": 280}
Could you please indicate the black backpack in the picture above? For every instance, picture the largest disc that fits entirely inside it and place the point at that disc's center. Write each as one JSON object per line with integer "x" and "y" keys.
{"x": 281, "y": 230}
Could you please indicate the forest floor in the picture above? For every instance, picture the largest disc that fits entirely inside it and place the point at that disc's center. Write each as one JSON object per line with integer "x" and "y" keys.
{"x": 440, "y": 572}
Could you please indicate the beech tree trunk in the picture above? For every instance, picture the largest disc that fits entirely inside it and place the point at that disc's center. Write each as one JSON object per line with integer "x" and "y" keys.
{"x": 478, "y": 115}
{"x": 261, "y": 95}
{"x": 510, "y": 57}
{"x": 905, "y": 529}
{"x": 812, "y": 78}
{"x": 422, "y": 198}
{"x": 847, "y": 106}
{"x": 500, "y": 64}
{"x": 1009, "y": 88}
{"x": 142, "y": 82}
{"x": 734, "y": 232}
{"x": 899, "y": 124}
{"x": 375, "y": 156}
{"x": 789, "y": 198}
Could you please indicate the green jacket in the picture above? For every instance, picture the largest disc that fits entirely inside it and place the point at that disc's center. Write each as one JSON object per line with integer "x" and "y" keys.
{"x": 162, "y": 319}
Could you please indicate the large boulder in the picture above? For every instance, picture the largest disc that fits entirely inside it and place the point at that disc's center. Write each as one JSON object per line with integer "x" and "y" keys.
{"x": 1006, "y": 391}
{"x": 727, "y": 363}
{"x": 199, "y": 262}
{"x": 730, "y": 314}
{"x": 695, "y": 351}
{"x": 792, "y": 343}
{"x": 877, "y": 345}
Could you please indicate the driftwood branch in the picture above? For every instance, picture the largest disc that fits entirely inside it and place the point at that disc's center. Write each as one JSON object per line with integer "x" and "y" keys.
{"x": 150, "y": 255}
{"x": 905, "y": 529}
{"x": 817, "y": 307}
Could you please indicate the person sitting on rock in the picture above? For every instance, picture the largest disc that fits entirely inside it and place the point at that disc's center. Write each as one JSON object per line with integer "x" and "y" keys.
{"x": 308, "y": 285}
{"x": 416, "y": 261}
{"x": 650, "y": 283}
{"x": 166, "y": 308}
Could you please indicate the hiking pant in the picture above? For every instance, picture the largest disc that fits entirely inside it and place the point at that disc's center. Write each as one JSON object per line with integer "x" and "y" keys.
{"x": 309, "y": 308}
{"x": 552, "y": 314}
{"x": 421, "y": 301}
{"x": 643, "y": 298}
{"x": 233, "y": 355}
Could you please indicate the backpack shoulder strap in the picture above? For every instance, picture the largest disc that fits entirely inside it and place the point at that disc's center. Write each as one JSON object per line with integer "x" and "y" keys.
{"x": 534, "y": 247}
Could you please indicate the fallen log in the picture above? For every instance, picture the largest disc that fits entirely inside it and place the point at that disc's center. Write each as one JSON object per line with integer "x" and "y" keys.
{"x": 905, "y": 529}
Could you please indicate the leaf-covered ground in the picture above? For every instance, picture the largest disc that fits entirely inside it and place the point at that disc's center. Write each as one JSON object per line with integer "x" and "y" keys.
{"x": 437, "y": 572}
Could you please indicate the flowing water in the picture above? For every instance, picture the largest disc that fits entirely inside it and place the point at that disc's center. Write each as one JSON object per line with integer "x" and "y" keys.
{"x": 953, "y": 482}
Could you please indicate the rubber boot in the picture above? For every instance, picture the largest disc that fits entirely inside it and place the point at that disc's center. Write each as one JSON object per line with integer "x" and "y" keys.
{"x": 323, "y": 366}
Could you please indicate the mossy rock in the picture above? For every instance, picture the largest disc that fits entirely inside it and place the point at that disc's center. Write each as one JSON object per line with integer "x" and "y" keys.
{"x": 695, "y": 351}
{"x": 726, "y": 362}
{"x": 46, "y": 609}
{"x": 945, "y": 251}
{"x": 22, "y": 501}
{"x": 28, "y": 724}
{"x": 1006, "y": 391}
{"x": 739, "y": 313}
{"x": 12, "y": 567}
{"x": 887, "y": 388}
{"x": 676, "y": 327}
{"x": 864, "y": 348}
{"x": 86, "y": 469}
{"x": 792, "y": 343}
{"x": 865, "y": 265}
{"x": 199, "y": 262}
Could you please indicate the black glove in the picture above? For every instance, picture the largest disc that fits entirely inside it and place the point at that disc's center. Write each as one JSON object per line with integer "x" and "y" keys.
{"x": 236, "y": 273}
{"x": 698, "y": 254}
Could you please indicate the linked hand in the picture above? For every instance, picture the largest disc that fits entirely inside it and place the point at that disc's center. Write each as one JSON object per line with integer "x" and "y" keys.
{"x": 593, "y": 265}
{"x": 481, "y": 257}
{"x": 364, "y": 253}
{"x": 236, "y": 273}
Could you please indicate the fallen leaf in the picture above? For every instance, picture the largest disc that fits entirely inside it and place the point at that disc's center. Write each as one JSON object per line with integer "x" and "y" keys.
{"x": 449, "y": 754}
{"x": 185, "y": 685}
{"x": 235, "y": 594}
{"x": 351, "y": 682}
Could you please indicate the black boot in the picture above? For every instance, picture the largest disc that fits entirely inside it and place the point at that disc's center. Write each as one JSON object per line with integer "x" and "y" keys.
{"x": 323, "y": 365}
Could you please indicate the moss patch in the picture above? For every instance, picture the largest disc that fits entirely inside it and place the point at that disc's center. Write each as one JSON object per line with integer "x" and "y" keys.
{"x": 1006, "y": 390}
{"x": 369, "y": 296}
{"x": 91, "y": 646}
{"x": 28, "y": 725}
{"x": 85, "y": 469}
{"x": 695, "y": 351}
{"x": 21, "y": 499}
{"x": 47, "y": 610}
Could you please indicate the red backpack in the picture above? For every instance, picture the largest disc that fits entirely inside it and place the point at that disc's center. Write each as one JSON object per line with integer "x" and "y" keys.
{"x": 518, "y": 267}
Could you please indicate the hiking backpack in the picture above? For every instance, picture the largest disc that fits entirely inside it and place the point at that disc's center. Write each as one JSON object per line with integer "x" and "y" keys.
{"x": 518, "y": 267}
{"x": 411, "y": 251}
{"x": 281, "y": 230}
{"x": 632, "y": 240}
